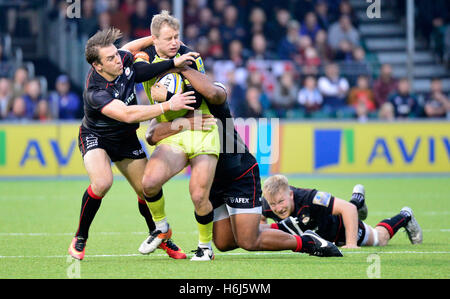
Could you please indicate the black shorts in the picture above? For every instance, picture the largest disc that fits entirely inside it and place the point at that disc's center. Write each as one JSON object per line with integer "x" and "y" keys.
{"x": 127, "y": 147}
{"x": 241, "y": 195}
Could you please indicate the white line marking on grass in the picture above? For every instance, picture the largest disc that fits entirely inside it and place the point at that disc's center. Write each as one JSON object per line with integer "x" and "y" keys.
{"x": 249, "y": 254}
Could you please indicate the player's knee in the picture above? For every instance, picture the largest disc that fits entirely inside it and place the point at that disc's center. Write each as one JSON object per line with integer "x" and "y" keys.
{"x": 248, "y": 243}
{"x": 199, "y": 197}
{"x": 101, "y": 186}
{"x": 223, "y": 246}
{"x": 150, "y": 186}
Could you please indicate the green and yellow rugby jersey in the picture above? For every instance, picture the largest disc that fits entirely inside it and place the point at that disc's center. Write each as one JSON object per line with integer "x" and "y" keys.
{"x": 154, "y": 57}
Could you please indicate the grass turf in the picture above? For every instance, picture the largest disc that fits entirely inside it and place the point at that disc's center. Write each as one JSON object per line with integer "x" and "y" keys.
{"x": 39, "y": 217}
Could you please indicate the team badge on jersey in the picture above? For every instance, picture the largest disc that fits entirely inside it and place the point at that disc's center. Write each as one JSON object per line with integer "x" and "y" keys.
{"x": 200, "y": 65}
{"x": 322, "y": 198}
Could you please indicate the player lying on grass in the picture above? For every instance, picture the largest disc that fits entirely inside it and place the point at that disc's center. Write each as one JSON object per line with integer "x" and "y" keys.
{"x": 297, "y": 209}
{"x": 111, "y": 118}
{"x": 236, "y": 190}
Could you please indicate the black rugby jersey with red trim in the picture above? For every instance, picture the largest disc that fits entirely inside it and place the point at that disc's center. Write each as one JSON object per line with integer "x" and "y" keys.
{"x": 312, "y": 208}
{"x": 99, "y": 92}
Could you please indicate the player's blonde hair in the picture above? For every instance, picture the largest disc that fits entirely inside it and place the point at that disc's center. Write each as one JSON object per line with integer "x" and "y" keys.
{"x": 163, "y": 18}
{"x": 274, "y": 184}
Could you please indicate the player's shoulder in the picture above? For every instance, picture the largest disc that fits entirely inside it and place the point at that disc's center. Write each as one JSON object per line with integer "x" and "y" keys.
{"x": 150, "y": 51}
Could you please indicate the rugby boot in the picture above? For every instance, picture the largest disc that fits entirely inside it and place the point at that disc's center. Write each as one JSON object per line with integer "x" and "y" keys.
{"x": 413, "y": 229}
{"x": 172, "y": 249}
{"x": 290, "y": 225}
{"x": 319, "y": 246}
{"x": 77, "y": 248}
{"x": 203, "y": 254}
{"x": 155, "y": 239}
{"x": 359, "y": 200}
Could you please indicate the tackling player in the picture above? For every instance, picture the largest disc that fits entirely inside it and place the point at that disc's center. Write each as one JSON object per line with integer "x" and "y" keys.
{"x": 296, "y": 210}
{"x": 199, "y": 149}
{"x": 112, "y": 116}
{"x": 236, "y": 190}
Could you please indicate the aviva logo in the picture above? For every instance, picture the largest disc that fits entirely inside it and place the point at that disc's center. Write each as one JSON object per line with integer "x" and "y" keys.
{"x": 2, "y": 148}
{"x": 332, "y": 145}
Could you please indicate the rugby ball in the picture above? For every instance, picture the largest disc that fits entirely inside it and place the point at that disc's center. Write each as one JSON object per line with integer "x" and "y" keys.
{"x": 173, "y": 82}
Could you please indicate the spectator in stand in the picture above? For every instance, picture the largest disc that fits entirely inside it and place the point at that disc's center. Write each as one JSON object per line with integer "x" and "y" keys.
{"x": 345, "y": 8}
{"x": 5, "y": 96}
{"x": 404, "y": 102}
{"x": 119, "y": 18}
{"x": 301, "y": 8}
{"x": 64, "y": 104}
{"x": 254, "y": 107}
{"x": 309, "y": 97}
{"x": 342, "y": 30}
{"x": 190, "y": 12}
{"x": 310, "y": 26}
{"x": 321, "y": 45}
{"x": 324, "y": 19}
{"x": 285, "y": 94}
{"x": 237, "y": 54}
{"x": 88, "y": 24}
{"x": 344, "y": 52}
{"x": 277, "y": 28}
{"x": 128, "y": 7}
{"x": 191, "y": 34}
{"x": 32, "y": 97}
{"x": 258, "y": 22}
{"x": 140, "y": 20}
{"x": 104, "y": 20}
{"x": 42, "y": 111}
{"x": 334, "y": 90}
{"x": 236, "y": 96}
{"x": 217, "y": 9}
{"x": 386, "y": 112}
{"x": 230, "y": 28}
{"x": 259, "y": 49}
{"x": 437, "y": 104}
{"x": 361, "y": 98}
{"x": 20, "y": 81}
{"x": 18, "y": 110}
{"x": 215, "y": 44}
{"x": 384, "y": 85}
{"x": 288, "y": 48}
{"x": 205, "y": 21}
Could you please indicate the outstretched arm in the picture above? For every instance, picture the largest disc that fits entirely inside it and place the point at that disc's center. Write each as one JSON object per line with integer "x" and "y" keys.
{"x": 350, "y": 217}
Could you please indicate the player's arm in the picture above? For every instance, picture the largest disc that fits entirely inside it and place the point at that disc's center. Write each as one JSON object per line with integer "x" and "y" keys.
{"x": 117, "y": 110}
{"x": 138, "y": 44}
{"x": 158, "y": 131}
{"x": 350, "y": 218}
{"x": 146, "y": 71}
{"x": 213, "y": 93}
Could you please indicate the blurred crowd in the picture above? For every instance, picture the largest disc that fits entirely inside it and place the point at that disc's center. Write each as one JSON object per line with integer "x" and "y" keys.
{"x": 278, "y": 58}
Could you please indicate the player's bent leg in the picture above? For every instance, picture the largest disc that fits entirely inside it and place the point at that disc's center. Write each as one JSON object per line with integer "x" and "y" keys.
{"x": 223, "y": 236}
{"x": 98, "y": 167}
{"x": 162, "y": 165}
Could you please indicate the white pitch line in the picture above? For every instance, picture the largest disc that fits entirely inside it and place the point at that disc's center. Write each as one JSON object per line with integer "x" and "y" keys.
{"x": 224, "y": 254}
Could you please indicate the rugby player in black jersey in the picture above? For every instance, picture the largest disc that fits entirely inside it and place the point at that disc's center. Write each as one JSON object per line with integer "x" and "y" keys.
{"x": 336, "y": 220}
{"x": 112, "y": 116}
{"x": 236, "y": 190}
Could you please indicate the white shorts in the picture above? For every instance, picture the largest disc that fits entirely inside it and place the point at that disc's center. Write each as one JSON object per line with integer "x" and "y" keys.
{"x": 224, "y": 211}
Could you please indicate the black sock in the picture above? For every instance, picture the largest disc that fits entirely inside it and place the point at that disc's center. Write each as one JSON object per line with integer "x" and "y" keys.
{"x": 393, "y": 224}
{"x": 145, "y": 212}
{"x": 89, "y": 207}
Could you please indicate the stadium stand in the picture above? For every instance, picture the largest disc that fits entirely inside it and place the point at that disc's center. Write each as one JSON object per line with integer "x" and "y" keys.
{"x": 272, "y": 55}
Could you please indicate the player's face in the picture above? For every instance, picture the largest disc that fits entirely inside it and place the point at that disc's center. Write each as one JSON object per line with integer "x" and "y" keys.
{"x": 167, "y": 43}
{"x": 282, "y": 204}
{"x": 110, "y": 62}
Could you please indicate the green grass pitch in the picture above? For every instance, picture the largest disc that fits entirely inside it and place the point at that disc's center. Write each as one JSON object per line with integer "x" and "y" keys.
{"x": 39, "y": 217}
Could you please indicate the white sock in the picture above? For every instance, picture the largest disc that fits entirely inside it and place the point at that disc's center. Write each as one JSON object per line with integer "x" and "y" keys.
{"x": 162, "y": 225}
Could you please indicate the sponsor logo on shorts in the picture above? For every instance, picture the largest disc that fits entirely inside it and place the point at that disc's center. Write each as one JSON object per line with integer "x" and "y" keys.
{"x": 240, "y": 200}
{"x": 138, "y": 152}
{"x": 91, "y": 141}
